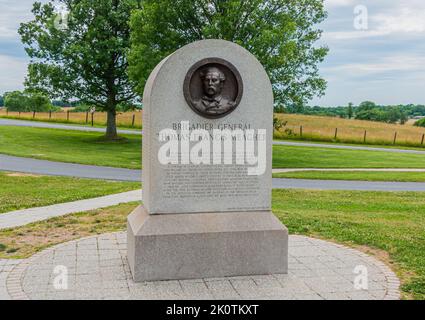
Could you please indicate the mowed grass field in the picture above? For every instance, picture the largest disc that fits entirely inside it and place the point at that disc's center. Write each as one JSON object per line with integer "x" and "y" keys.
{"x": 88, "y": 148}
{"x": 22, "y": 191}
{"x": 390, "y": 226}
{"x": 355, "y": 176}
{"x": 313, "y": 157}
{"x": 317, "y": 128}
{"x": 70, "y": 146}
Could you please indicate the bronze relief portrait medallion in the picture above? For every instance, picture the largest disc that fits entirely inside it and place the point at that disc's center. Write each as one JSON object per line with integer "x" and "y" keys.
{"x": 213, "y": 88}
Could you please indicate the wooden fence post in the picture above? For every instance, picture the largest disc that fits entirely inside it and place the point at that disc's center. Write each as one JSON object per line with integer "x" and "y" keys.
{"x": 336, "y": 133}
{"x": 92, "y": 119}
{"x": 423, "y": 138}
{"x": 67, "y": 115}
{"x": 33, "y": 115}
{"x": 364, "y": 137}
{"x": 134, "y": 119}
{"x": 50, "y": 114}
{"x": 301, "y": 131}
{"x": 87, "y": 117}
{"x": 395, "y": 137}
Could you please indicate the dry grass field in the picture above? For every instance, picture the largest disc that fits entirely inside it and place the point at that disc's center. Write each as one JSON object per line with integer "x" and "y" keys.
{"x": 318, "y": 128}
{"x": 298, "y": 127}
{"x": 99, "y": 118}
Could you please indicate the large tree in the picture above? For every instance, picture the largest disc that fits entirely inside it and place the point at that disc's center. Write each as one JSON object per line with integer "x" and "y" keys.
{"x": 83, "y": 57}
{"x": 282, "y": 34}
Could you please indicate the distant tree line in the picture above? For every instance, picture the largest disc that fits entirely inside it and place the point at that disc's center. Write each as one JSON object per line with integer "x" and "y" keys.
{"x": 26, "y": 101}
{"x": 367, "y": 110}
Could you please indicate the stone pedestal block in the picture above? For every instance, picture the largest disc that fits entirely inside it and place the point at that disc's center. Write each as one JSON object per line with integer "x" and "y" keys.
{"x": 205, "y": 245}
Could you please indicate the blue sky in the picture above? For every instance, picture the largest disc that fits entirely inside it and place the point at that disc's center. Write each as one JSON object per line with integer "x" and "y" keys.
{"x": 385, "y": 63}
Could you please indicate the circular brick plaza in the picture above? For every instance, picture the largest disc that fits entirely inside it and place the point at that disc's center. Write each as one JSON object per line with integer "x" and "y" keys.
{"x": 97, "y": 268}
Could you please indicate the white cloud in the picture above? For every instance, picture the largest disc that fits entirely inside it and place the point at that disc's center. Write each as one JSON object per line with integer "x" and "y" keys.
{"x": 389, "y": 64}
{"x": 407, "y": 19}
{"x": 13, "y": 73}
{"x": 339, "y": 3}
{"x": 12, "y": 13}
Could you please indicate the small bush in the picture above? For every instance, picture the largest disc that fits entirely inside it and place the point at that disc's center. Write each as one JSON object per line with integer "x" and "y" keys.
{"x": 420, "y": 123}
{"x": 27, "y": 102}
{"x": 81, "y": 108}
{"x": 278, "y": 123}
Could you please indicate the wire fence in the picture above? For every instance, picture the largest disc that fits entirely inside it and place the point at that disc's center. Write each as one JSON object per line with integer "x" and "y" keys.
{"x": 370, "y": 136}
{"x": 125, "y": 119}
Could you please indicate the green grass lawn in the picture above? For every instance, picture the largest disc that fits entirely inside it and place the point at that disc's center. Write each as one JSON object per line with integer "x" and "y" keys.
{"x": 359, "y": 145}
{"x": 70, "y": 146}
{"x": 389, "y": 221}
{"x": 21, "y": 191}
{"x": 355, "y": 175}
{"x": 313, "y": 157}
{"x": 87, "y": 148}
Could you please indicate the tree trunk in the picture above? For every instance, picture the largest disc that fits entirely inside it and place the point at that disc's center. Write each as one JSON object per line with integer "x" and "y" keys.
{"x": 111, "y": 126}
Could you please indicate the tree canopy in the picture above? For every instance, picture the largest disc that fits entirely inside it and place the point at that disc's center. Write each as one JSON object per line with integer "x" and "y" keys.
{"x": 86, "y": 58}
{"x": 281, "y": 33}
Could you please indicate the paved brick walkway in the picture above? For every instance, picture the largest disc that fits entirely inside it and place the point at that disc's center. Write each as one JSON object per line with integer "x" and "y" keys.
{"x": 97, "y": 269}
{"x": 23, "y": 217}
{"x": 6, "y": 266}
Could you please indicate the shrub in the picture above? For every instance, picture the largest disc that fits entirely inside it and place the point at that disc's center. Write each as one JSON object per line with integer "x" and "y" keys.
{"x": 278, "y": 123}
{"x": 81, "y": 108}
{"x": 420, "y": 123}
{"x": 26, "y": 102}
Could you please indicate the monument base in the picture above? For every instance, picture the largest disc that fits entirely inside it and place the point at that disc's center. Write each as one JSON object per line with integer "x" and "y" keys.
{"x": 205, "y": 245}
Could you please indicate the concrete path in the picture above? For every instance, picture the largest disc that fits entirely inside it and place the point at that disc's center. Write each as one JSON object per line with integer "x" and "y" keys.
{"x": 347, "y": 185}
{"x": 98, "y": 269}
{"x": 44, "y": 167}
{"x": 52, "y": 125}
{"x": 37, "y": 124}
{"x": 25, "y": 216}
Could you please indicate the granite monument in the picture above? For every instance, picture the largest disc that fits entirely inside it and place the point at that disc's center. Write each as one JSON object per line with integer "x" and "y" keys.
{"x": 207, "y": 161}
